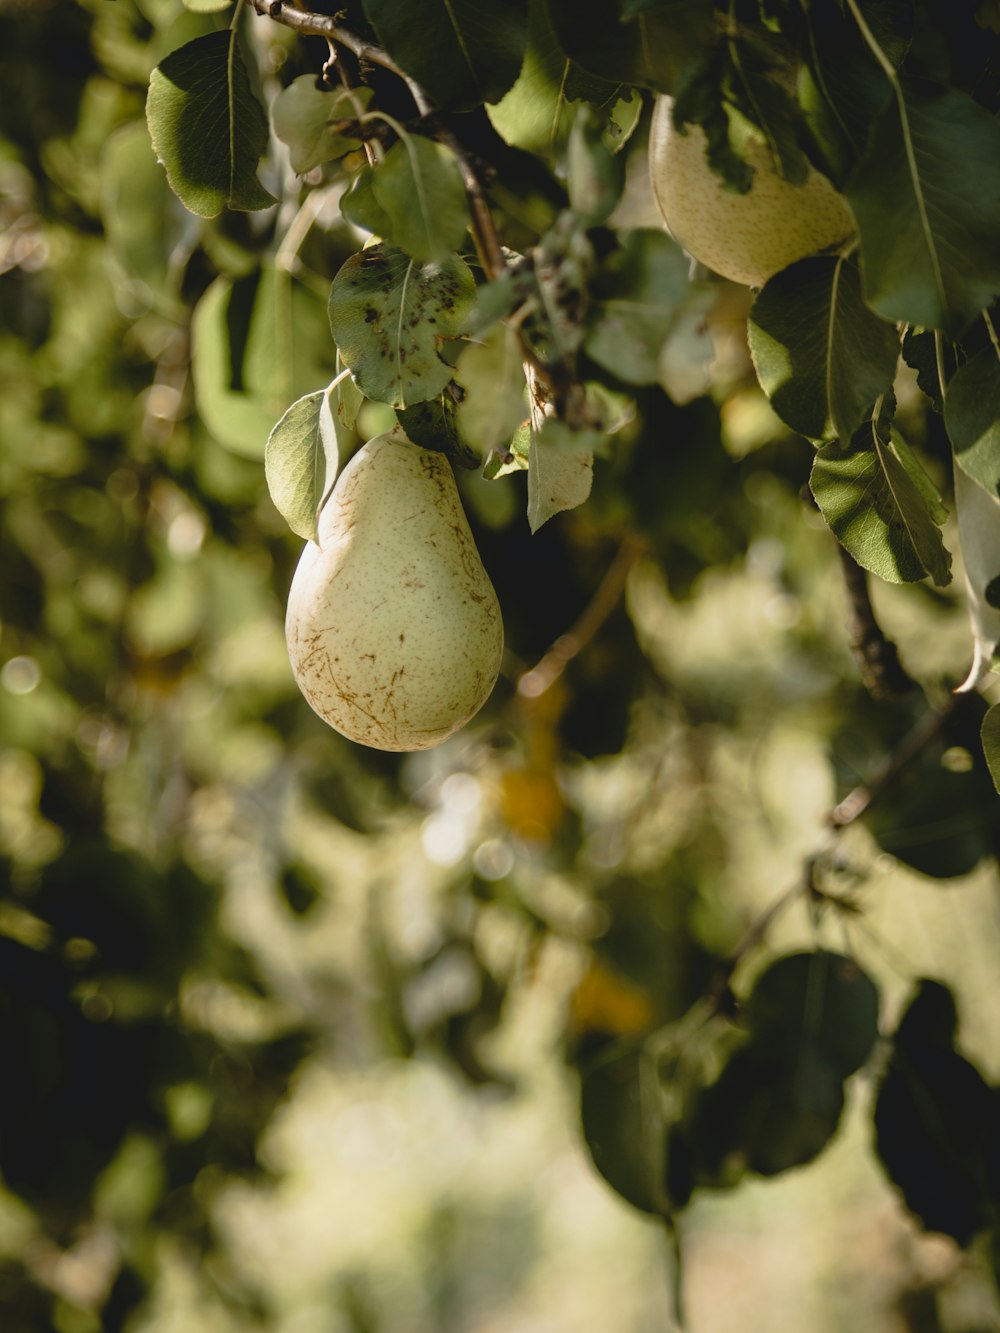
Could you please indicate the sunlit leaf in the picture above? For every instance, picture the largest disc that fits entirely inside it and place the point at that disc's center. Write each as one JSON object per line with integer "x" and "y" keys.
{"x": 882, "y": 506}
{"x": 207, "y": 126}
{"x": 991, "y": 743}
{"x": 258, "y": 343}
{"x": 300, "y": 461}
{"x": 978, "y": 513}
{"x": 418, "y": 188}
{"x": 307, "y": 119}
{"x": 560, "y": 470}
{"x": 390, "y": 317}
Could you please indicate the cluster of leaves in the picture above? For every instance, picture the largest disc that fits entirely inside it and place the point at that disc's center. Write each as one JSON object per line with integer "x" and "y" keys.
{"x": 508, "y": 313}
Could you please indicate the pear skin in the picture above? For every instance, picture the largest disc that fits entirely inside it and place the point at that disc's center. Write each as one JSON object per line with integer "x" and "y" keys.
{"x": 745, "y": 237}
{"x": 393, "y": 628}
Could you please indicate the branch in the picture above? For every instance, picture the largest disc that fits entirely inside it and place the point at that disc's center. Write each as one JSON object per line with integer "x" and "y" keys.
{"x": 855, "y": 803}
{"x": 882, "y": 673}
{"x": 541, "y": 677}
{"x": 322, "y": 25}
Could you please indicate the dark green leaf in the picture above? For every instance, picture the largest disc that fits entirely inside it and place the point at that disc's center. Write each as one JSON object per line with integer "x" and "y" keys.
{"x": 258, "y": 343}
{"x": 658, "y": 48}
{"x": 820, "y": 354}
{"x": 926, "y": 195}
{"x": 933, "y": 1120}
{"x": 431, "y": 424}
{"x": 390, "y": 317}
{"x": 418, "y": 188}
{"x": 882, "y": 507}
{"x": 301, "y": 461}
{"x": 622, "y": 1130}
{"x": 462, "y": 54}
{"x": 306, "y": 118}
{"x": 972, "y": 416}
{"x": 360, "y": 206}
{"x": 991, "y": 743}
{"x": 818, "y": 1001}
{"x": 207, "y": 127}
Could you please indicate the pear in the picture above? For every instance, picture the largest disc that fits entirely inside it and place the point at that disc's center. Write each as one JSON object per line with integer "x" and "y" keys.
{"x": 393, "y": 627}
{"x": 745, "y": 237}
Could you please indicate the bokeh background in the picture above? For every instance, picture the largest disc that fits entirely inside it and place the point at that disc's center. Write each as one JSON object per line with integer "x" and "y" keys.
{"x": 290, "y": 1030}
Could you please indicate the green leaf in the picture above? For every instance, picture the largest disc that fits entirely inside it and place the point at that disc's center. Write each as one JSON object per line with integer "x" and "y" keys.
{"x": 560, "y": 469}
{"x": 206, "y": 6}
{"x": 258, "y": 343}
{"x": 207, "y": 127}
{"x": 537, "y": 112}
{"x": 882, "y": 507}
{"x": 463, "y": 54}
{"x": 819, "y": 1000}
{"x": 972, "y": 418}
{"x": 301, "y": 461}
{"x": 492, "y": 376}
{"x": 991, "y": 743}
{"x": 141, "y": 219}
{"x": 978, "y": 514}
{"x": 360, "y": 206}
{"x": 623, "y": 1129}
{"x": 659, "y": 48}
{"x": 926, "y": 196}
{"x": 306, "y": 118}
{"x": 390, "y": 317}
{"x": 638, "y": 296}
{"x": 515, "y": 459}
{"x": 418, "y": 188}
{"x": 934, "y": 1119}
{"x": 822, "y": 357}
{"x": 595, "y": 176}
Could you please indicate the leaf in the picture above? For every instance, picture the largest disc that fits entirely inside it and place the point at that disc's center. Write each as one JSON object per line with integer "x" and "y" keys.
{"x": 934, "y": 1118}
{"x": 419, "y": 189}
{"x": 882, "y": 507}
{"x": 991, "y": 743}
{"x": 305, "y": 118}
{"x": 638, "y": 296}
{"x": 360, "y": 206}
{"x": 537, "y": 112}
{"x": 595, "y": 176}
{"x": 516, "y": 458}
{"x": 972, "y": 418}
{"x": 207, "y": 127}
{"x": 390, "y": 316}
{"x": 560, "y": 470}
{"x": 301, "y": 460}
{"x": 978, "y": 514}
{"x": 258, "y": 343}
{"x": 822, "y": 357}
{"x": 659, "y": 48}
{"x": 492, "y": 376}
{"x": 463, "y": 54}
{"x": 206, "y": 6}
{"x": 926, "y": 195}
{"x": 821, "y": 1000}
{"x": 622, "y": 1129}
{"x": 140, "y": 216}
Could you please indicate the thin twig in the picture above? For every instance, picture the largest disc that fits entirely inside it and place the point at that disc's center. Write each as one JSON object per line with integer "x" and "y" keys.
{"x": 855, "y": 803}
{"x": 541, "y": 677}
{"x": 322, "y": 25}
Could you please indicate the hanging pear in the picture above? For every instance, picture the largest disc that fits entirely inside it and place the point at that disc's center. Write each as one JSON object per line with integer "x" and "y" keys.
{"x": 745, "y": 237}
{"x": 393, "y": 627}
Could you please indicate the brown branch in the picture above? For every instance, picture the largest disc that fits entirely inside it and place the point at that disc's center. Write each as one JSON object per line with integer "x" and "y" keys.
{"x": 882, "y": 673}
{"x": 547, "y": 671}
{"x": 322, "y": 25}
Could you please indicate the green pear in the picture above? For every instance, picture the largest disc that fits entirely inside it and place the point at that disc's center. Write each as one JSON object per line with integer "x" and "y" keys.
{"x": 393, "y": 627}
{"x": 745, "y": 237}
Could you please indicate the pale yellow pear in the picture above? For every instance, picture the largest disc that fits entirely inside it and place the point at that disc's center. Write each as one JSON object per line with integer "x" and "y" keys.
{"x": 393, "y": 627}
{"x": 745, "y": 237}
